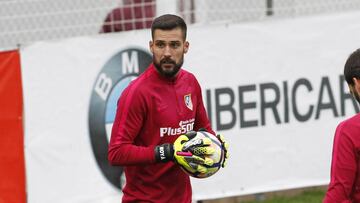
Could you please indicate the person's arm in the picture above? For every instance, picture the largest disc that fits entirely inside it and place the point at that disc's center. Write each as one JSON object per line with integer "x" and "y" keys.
{"x": 201, "y": 119}
{"x": 343, "y": 168}
{"x": 128, "y": 122}
{"x": 202, "y": 122}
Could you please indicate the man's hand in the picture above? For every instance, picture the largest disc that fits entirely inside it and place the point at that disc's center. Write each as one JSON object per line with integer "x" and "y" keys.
{"x": 187, "y": 152}
{"x": 225, "y": 146}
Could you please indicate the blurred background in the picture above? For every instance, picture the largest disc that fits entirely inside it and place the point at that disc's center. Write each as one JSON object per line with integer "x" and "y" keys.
{"x": 65, "y": 44}
{"x": 25, "y": 21}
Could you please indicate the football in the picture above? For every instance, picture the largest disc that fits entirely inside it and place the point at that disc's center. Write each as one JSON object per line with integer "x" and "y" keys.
{"x": 218, "y": 156}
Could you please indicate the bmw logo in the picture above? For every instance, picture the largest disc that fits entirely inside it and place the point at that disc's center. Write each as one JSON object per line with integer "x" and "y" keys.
{"x": 114, "y": 77}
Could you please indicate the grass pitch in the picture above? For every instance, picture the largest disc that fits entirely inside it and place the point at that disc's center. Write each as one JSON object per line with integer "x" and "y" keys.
{"x": 310, "y": 196}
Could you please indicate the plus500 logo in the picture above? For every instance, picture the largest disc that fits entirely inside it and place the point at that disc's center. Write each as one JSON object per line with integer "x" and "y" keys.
{"x": 184, "y": 126}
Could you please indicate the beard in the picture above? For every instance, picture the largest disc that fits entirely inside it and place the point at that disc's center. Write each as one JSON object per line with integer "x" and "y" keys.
{"x": 168, "y": 72}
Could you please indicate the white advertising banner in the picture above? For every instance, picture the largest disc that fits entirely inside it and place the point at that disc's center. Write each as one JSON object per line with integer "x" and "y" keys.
{"x": 274, "y": 89}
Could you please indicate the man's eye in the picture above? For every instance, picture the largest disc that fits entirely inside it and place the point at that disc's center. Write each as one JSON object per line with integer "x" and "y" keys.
{"x": 160, "y": 45}
{"x": 175, "y": 45}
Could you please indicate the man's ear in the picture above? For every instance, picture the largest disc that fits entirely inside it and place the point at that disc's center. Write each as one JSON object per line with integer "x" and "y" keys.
{"x": 151, "y": 46}
{"x": 356, "y": 86}
{"x": 356, "y": 81}
{"x": 186, "y": 46}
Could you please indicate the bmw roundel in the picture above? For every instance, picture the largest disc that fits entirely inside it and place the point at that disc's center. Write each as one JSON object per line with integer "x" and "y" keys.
{"x": 113, "y": 78}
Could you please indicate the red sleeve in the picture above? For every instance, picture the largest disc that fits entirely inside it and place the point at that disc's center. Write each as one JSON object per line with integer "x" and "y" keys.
{"x": 128, "y": 122}
{"x": 343, "y": 168}
{"x": 201, "y": 119}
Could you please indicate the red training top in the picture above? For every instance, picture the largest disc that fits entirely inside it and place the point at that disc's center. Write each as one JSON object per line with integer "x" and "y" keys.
{"x": 154, "y": 110}
{"x": 345, "y": 172}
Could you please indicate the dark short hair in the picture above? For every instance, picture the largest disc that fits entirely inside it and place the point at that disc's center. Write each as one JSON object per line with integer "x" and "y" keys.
{"x": 168, "y": 22}
{"x": 352, "y": 67}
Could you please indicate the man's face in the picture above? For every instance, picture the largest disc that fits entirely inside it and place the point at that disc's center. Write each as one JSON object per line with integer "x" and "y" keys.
{"x": 168, "y": 48}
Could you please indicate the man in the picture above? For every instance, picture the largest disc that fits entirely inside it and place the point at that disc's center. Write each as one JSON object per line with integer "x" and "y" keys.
{"x": 344, "y": 185}
{"x": 154, "y": 112}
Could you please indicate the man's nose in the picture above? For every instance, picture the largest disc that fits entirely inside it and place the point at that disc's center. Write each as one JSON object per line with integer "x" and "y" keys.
{"x": 167, "y": 51}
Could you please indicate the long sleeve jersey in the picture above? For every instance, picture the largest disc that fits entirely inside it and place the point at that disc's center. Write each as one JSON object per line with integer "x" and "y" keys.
{"x": 344, "y": 185}
{"x": 154, "y": 110}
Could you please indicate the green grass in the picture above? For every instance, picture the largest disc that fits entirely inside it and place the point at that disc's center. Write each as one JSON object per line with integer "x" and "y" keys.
{"x": 311, "y": 196}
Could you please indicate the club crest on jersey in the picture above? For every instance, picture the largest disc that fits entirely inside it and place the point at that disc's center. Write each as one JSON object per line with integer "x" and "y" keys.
{"x": 188, "y": 102}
